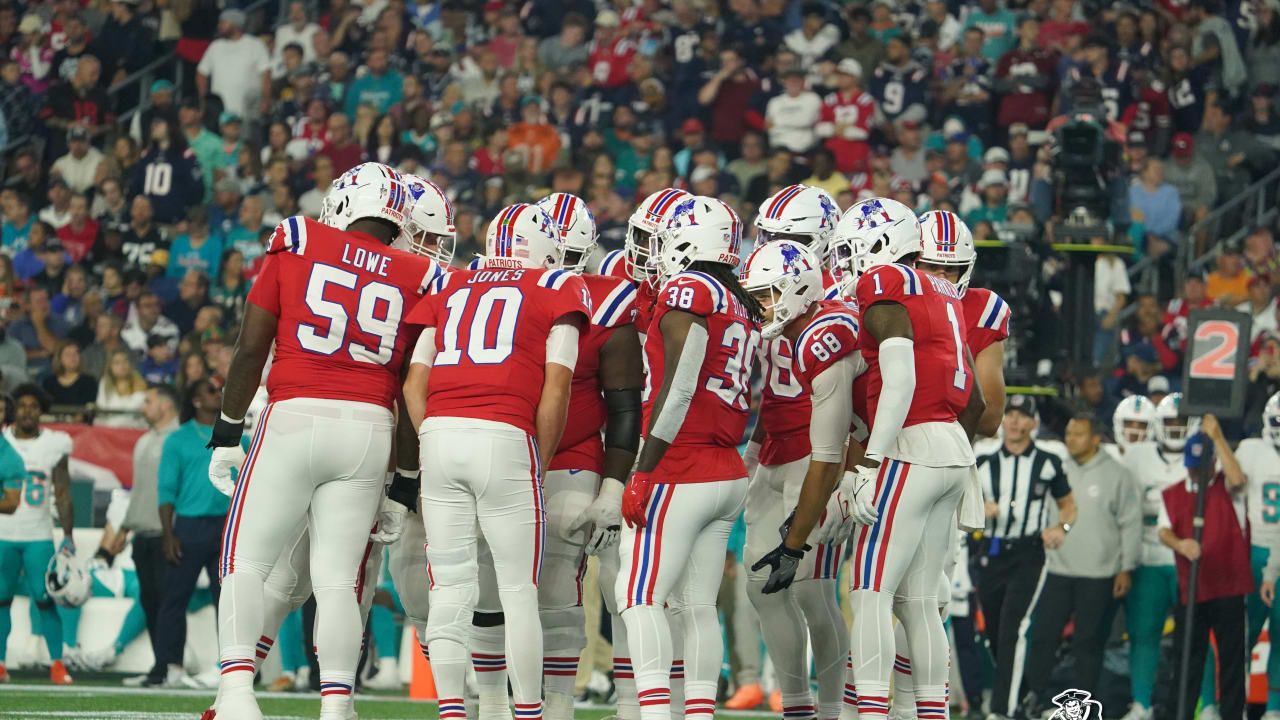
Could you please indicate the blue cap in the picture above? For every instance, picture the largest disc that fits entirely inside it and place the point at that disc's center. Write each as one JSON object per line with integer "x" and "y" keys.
{"x": 1196, "y": 450}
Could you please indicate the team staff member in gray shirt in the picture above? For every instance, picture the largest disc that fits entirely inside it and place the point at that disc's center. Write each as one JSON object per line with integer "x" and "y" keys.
{"x": 160, "y": 410}
{"x": 1090, "y": 569}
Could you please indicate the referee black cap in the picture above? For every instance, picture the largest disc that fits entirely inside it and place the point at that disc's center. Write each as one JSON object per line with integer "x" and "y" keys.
{"x": 1022, "y": 403}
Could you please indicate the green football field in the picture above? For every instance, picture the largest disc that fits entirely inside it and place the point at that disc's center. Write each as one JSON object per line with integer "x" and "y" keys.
{"x": 103, "y": 698}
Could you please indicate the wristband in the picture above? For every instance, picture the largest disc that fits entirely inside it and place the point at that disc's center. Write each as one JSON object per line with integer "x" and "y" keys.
{"x": 226, "y": 433}
{"x": 792, "y": 552}
{"x": 404, "y": 490}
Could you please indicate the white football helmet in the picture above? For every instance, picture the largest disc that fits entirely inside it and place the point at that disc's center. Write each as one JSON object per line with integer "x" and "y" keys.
{"x": 701, "y": 229}
{"x": 1173, "y": 429}
{"x": 948, "y": 241}
{"x": 523, "y": 236}
{"x": 802, "y": 213}
{"x": 577, "y": 228}
{"x": 1136, "y": 409}
{"x": 1271, "y": 420}
{"x": 67, "y": 581}
{"x": 429, "y": 230}
{"x": 878, "y": 231}
{"x": 790, "y": 271}
{"x": 369, "y": 190}
{"x": 652, "y": 215}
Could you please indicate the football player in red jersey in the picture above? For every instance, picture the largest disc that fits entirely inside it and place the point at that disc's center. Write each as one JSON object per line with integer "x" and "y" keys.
{"x": 777, "y": 458}
{"x": 488, "y": 390}
{"x": 786, "y": 277}
{"x": 634, "y": 264}
{"x": 690, "y": 482}
{"x": 949, "y": 254}
{"x": 331, "y": 300}
{"x": 923, "y": 404}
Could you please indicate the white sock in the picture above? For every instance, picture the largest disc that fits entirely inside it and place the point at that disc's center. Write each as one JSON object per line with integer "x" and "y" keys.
{"x": 489, "y": 660}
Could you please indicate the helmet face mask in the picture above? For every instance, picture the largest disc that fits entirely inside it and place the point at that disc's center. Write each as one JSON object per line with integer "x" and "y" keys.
{"x": 650, "y": 218}
{"x": 1271, "y": 421}
{"x": 786, "y": 278}
{"x": 874, "y": 232}
{"x": 67, "y": 581}
{"x": 1133, "y": 421}
{"x": 1173, "y": 429}
{"x": 429, "y": 230}
{"x": 947, "y": 244}
{"x": 576, "y": 226}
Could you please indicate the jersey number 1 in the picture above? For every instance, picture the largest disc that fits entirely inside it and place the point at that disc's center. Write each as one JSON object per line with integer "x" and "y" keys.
{"x": 960, "y": 377}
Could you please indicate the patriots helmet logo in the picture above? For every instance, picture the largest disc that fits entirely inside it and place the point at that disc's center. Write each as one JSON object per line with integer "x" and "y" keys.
{"x": 792, "y": 261}
{"x": 829, "y": 212}
{"x": 873, "y": 213}
{"x": 684, "y": 208}
{"x": 415, "y": 189}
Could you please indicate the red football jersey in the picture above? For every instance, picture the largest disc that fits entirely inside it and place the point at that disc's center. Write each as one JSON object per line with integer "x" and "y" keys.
{"x": 615, "y": 264}
{"x": 705, "y": 450}
{"x": 831, "y": 334}
{"x": 943, "y": 382}
{"x": 491, "y": 339}
{"x": 340, "y": 297}
{"x": 784, "y": 406}
{"x": 988, "y": 316}
{"x": 581, "y": 446}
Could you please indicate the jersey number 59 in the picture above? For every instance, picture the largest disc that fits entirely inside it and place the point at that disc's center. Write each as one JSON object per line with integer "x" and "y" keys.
{"x": 378, "y": 310}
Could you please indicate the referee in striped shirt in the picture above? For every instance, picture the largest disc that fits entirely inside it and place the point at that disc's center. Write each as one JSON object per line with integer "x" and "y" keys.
{"x": 1018, "y": 482}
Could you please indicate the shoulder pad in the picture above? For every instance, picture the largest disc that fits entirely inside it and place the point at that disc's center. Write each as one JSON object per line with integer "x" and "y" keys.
{"x": 995, "y": 314}
{"x": 814, "y": 348}
{"x": 694, "y": 292}
{"x": 614, "y": 264}
{"x": 554, "y": 279}
{"x": 614, "y": 300}
{"x": 290, "y": 235}
{"x": 887, "y": 282}
{"x": 437, "y": 285}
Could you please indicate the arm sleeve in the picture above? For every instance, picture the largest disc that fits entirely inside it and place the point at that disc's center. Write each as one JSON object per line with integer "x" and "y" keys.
{"x": 562, "y": 344}
{"x": 832, "y": 412}
{"x": 898, "y": 369}
{"x": 424, "y": 352}
{"x": 1059, "y": 487}
{"x": 168, "y": 478}
{"x": 684, "y": 383}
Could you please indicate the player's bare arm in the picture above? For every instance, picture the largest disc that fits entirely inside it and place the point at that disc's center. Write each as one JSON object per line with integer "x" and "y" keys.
{"x": 62, "y": 499}
{"x": 553, "y": 405}
{"x": 975, "y": 410}
{"x": 257, "y": 333}
{"x": 988, "y": 368}
{"x": 415, "y": 379}
{"x": 10, "y": 501}
{"x": 1236, "y": 479}
{"x": 622, "y": 378}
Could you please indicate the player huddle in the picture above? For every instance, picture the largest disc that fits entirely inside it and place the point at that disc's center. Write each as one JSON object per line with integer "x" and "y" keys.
{"x": 531, "y": 414}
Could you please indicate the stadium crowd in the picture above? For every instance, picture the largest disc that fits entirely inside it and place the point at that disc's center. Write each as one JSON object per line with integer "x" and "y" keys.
{"x": 128, "y": 247}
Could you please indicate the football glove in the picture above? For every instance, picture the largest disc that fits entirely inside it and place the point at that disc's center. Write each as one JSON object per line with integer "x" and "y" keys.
{"x": 391, "y": 519}
{"x": 782, "y": 562}
{"x": 635, "y": 500}
{"x": 224, "y": 460}
{"x": 864, "y": 495}
{"x": 67, "y": 547}
{"x": 604, "y": 515}
{"x": 837, "y": 521}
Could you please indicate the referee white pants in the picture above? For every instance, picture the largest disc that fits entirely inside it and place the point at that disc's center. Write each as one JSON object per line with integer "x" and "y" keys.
{"x": 322, "y": 462}
{"x": 485, "y": 474}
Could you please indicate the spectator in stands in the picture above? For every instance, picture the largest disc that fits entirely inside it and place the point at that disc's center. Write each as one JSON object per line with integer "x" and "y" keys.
{"x": 193, "y": 294}
{"x": 1260, "y": 257}
{"x": 40, "y": 331}
{"x": 33, "y": 54}
{"x": 321, "y": 177}
{"x": 196, "y": 249}
{"x": 729, "y": 90}
{"x": 298, "y": 30}
{"x": 380, "y": 86}
{"x": 206, "y": 145}
{"x": 824, "y": 173}
{"x": 994, "y": 188}
{"x": 122, "y": 391}
{"x": 1264, "y": 381}
{"x": 16, "y": 230}
{"x": 53, "y": 259}
{"x": 28, "y": 262}
{"x": 69, "y": 300}
{"x": 13, "y": 357}
{"x": 792, "y": 116}
{"x": 236, "y": 67}
{"x": 1025, "y": 77}
{"x": 907, "y": 160}
{"x": 142, "y": 238}
{"x": 1228, "y": 284}
{"x": 67, "y": 384}
{"x": 1192, "y": 178}
{"x": 16, "y": 100}
{"x": 142, "y": 519}
{"x": 191, "y": 368}
{"x": 146, "y": 321}
{"x": 249, "y": 232}
{"x": 167, "y": 173}
{"x": 160, "y": 364}
{"x": 997, "y": 25}
{"x": 111, "y": 207}
{"x": 536, "y": 139}
{"x": 1236, "y": 156}
{"x": 81, "y": 232}
{"x": 232, "y": 288}
{"x": 341, "y": 148}
{"x": 82, "y": 166}
{"x": 79, "y": 101}
{"x": 567, "y": 50}
{"x": 58, "y": 212}
{"x": 125, "y": 43}
{"x": 1261, "y": 304}
{"x": 1261, "y": 119}
{"x": 1111, "y": 290}
{"x": 1160, "y": 205}
{"x": 192, "y": 513}
{"x": 814, "y": 37}
{"x": 106, "y": 339}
